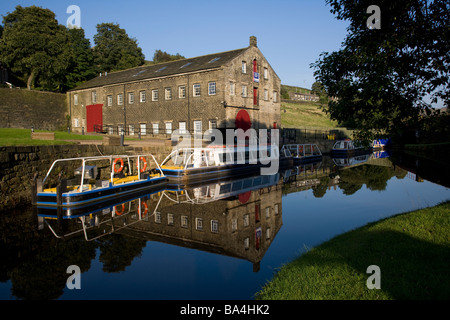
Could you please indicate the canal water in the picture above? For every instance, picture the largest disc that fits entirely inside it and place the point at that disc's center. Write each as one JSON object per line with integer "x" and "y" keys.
{"x": 222, "y": 240}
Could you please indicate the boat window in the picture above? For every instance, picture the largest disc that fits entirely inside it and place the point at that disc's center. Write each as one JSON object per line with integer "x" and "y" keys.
{"x": 257, "y": 181}
{"x": 225, "y": 188}
{"x": 237, "y": 186}
{"x": 247, "y": 183}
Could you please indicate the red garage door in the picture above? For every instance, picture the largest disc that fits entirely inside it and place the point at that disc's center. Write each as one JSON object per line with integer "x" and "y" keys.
{"x": 94, "y": 117}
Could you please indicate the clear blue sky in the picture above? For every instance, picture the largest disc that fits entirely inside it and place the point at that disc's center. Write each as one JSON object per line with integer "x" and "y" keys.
{"x": 291, "y": 33}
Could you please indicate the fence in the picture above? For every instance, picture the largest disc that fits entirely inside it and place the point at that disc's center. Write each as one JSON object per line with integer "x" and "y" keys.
{"x": 312, "y": 134}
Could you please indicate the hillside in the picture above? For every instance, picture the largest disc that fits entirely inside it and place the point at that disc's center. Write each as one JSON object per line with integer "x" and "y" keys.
{"x": 305, "y": 115}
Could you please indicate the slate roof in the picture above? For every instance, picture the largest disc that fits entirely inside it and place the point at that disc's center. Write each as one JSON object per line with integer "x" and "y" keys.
{"x": 209, "y": 61}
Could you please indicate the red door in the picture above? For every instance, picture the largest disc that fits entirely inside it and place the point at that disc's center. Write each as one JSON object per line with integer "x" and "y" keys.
{"x": 94, "y": 117}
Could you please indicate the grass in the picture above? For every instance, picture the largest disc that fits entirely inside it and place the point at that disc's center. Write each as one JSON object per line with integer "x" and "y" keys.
{"x": 412, "y": 251}
{"x": 21, "y": 137}
{"x": 296, "y": 115}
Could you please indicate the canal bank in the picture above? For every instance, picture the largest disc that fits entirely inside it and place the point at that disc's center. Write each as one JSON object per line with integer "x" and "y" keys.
{"x": 410, "y": 252}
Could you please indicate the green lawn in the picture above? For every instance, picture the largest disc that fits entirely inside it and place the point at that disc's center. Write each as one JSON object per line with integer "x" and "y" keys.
{"x": 303, "y": 115}
{"x": 21, "y": 137}
{"x": 412, "y": 251}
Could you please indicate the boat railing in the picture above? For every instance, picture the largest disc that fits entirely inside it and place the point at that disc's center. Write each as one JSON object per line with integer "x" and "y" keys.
{"x": 85, "y": 160}
{"x": 303, "y": 150}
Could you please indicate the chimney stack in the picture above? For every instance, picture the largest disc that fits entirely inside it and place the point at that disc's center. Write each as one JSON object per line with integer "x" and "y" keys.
{"x": 253, "y": 42}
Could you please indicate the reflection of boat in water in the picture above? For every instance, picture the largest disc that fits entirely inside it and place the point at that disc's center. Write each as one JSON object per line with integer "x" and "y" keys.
{"x": 135, "y": 174}
{"x": 351, "y": 161}
{"x": 188, "y": 164}
{"x": 348, "y": 148}
{"x": 303, "y": 153}
{"x": 379, "y": 144}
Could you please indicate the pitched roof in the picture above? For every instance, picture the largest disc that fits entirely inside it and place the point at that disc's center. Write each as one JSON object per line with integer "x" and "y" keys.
{"x": 209, "y": 61}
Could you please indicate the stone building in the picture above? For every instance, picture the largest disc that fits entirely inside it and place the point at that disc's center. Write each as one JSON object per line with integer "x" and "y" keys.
{"x": 233, "y": 89}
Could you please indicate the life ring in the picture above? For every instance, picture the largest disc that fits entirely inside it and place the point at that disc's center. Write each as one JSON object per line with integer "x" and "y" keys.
{"x": 300, "y": 149}
{"x": 145, "y": 163}
{"x": 121, "y": 165}
{"x": 144, "y": 204}
{"x": 120, "y": 212}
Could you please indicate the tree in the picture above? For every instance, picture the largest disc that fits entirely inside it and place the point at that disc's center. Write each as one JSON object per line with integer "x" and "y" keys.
{"x": 115, "y": 50}
{"x": 82, "y": 67}
{"x": 35, "y": 47}
{"x": 162, "y": 56}
{"x": 382, "y": 78}
{"x": 318, "y": 89}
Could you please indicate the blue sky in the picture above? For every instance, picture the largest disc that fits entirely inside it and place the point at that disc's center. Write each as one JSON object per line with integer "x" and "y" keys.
{"x": 291, "y": 33}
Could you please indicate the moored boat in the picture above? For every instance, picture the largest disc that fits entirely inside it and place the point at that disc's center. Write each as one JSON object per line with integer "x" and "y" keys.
{"x": 348, "y": 148}
{"x": 303, "y": 153}
{"x": 214, "y": 162}
{"x": 96, "y": 179}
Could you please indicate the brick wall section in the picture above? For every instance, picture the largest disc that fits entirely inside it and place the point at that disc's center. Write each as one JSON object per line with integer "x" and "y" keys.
{"x": 19, "y": 164}
{"x": 26, "y": 109}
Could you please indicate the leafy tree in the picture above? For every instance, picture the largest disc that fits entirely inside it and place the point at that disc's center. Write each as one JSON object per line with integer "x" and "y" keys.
{"x": 82, "y": 67}
{"x": 115, "y": 50}
{"x": 35, "y": 47}
{"x": 383, "y": 77}
{"x": 162, "y": 56}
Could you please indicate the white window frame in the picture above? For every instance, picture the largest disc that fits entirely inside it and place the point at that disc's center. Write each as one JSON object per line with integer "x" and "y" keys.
{"x": 109, "y": 100}
{"x": 130, "y": 97}
{"x": 168, "y": 127}
{"x": 182, "y": 127}
{"x": 266, "y": 73}
{"x": 76, "y": 122}
{"x": 170, "y": 219}
{"x": 199, "y": 224}
{"x": 155, "y": 128}
{"x": 155, "y": 95}
{"x": 94, "y": 97}
{"x": 215, "y": 226}
{"x": 157, "y": 217}
{"x": 131, "y": 129}
{"x": 198, "y": 125}
{"x": 275, "y": 96}
{"x": 232, "y": 88}
{"x": 182, "y": 92}
{"x": 212, "y": 89}
{"x": 244, "y": 67}
{"x": 244, "y": 91}
{"x": 75, "y": 99}
{"x": 143, "y": 129}
{"x": 266, "y": 94}
{"x": 212, "y": 124}
{"x": 168, "y": 93}
{"x": 120, "y": 99}
{"x": 142, "y": 96}
{"x": 196, "y": 90}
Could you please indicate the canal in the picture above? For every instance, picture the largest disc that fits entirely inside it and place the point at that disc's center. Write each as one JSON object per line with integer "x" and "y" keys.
{"x": 221, "y": 240}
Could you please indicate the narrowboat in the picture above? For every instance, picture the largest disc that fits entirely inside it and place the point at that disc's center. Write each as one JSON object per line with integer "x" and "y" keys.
{"x": 96, "y": 179}
{"x": 304, "y": 153}
{"x": 214, "y": 162}
{"x": 348, "y": 148}
{"x": 380, "y": 144}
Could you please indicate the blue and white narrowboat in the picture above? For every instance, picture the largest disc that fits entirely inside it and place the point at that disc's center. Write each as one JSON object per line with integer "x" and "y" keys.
{"x": 303, "y": 153}
{"x": 349, "y": 148}
{"x": 96, "y": 179}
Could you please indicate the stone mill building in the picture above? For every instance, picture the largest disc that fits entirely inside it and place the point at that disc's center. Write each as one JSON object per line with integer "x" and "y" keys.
{"x": 233, "y": 89}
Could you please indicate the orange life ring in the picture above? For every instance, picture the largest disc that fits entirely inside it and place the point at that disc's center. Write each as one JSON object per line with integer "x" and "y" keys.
{"x": 144, "y": 204}
{"x": 120, "y": 212}
{"x": 300, "y": 149}
{"x": 145, "y": 163}
{"x": 121, "y": 165}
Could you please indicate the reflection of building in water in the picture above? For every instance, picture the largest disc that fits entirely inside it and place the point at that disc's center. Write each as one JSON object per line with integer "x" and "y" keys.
{"x": 242, "y": 225}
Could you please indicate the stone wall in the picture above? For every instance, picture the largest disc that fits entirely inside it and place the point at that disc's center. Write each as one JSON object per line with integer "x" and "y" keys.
{"x": 19, "y": 164}
{"x": 27, "y": 109}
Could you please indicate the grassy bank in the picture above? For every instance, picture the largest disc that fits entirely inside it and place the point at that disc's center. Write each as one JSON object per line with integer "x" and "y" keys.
{"x": 296, "y": 115}
{"x": 22, "y": 137}
{"x": 411, "y": 249}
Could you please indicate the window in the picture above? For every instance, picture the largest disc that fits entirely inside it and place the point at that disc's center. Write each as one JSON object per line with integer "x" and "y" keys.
{"x": 76, "y": 122}
{"x": 197, "y": 126}
{"x": 109, "y": 100}
{"x": 247, "y": 243}
{"x": 211, "y": 88}
{"x": 170, "y": 219}
{"x": 131, "y": 97}
{"x": 266, "y": 94}
{"x": 75, "y": 99}
{"x": 143, "y": 127}
{"x": 110, "y": 129}
{"x": 120, "y": 99}
{"x": 158, "y": 217}
{"x": 131, "y": 129}
{"x": 214, "y": 60}
{"x": 94, "y": 96}
{"x": 182, "y": 127}
{"x": 267, "y": 212}
{"x": 266, "y": 73}
{"x": 233, "y": 225}
{"x": 155, "y": 95}
{"x": 275, "y": 96}
{"x": 232, "y": 88}
{"x": 168, "y": 93}
{"x": 142, "y": 96}
{"x": 196, "y": 88}
{"x": 199, "y": 224}
{"x": 168, "y": 127}
{"x": 120, "y": 129}
{"x": 215, "y": 226}
{"x": 244, "y": 67}
{"x": 244, "y": 91}
{"x": 268, "y": 233}
{"x": 184, "y": 221}
{"x": 246, "y": 220}
{"x": 185, "y": 65}
{"x": 155, "y": 127}
{"x": 182, "y": 92}
{"x": 212, "y": 124}
{"x": 276, "y": 208}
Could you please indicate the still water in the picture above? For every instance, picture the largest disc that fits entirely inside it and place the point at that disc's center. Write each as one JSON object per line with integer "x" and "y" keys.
{"x": 222, "y": 240}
